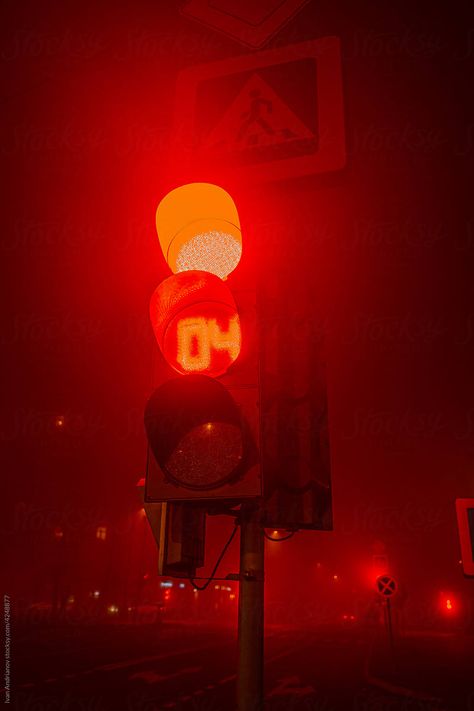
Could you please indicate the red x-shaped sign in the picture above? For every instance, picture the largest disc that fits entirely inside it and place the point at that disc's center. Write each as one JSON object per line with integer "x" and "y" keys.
{"x": 386, "y": 585}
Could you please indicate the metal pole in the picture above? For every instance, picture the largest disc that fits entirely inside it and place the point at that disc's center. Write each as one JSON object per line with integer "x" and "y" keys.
{"x": 389, "y": 625}
{"x": 251, "y": 586}
{"x": 393, "y": 661}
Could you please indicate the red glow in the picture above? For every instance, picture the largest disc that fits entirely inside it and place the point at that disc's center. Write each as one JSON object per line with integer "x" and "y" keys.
{"x": 277, "y": 534}
{"x": 448, "y": 603}
{"x": 196, "y": 323}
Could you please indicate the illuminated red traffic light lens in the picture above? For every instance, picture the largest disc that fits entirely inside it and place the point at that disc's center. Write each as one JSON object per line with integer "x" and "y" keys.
{"x": 196, "y": 323}
{"x": 195, "y": 432}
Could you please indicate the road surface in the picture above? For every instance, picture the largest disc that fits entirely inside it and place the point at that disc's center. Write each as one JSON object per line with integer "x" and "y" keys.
{"x": 191, "y": 667}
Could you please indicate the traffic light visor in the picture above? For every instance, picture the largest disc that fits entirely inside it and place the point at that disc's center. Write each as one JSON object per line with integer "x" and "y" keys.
{"x": 199, "y": 229}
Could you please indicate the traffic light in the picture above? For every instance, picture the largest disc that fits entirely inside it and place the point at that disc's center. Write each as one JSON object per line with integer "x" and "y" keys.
{"x": 294, "y": 413}
{"x": 202, "y": 419}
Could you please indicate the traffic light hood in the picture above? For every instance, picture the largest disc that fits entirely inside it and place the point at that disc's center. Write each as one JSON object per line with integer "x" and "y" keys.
{"x": 199, "y": 228}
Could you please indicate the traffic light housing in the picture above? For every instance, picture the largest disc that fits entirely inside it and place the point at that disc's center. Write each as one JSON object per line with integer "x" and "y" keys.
{"x": 293, "y": 397}
{"x": 202, "y": 419}
{"x": 179, "y": 533}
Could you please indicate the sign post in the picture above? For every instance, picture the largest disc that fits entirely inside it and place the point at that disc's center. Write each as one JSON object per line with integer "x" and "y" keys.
{"x": 251, "y": 587}
{"x": 386, "y": 588}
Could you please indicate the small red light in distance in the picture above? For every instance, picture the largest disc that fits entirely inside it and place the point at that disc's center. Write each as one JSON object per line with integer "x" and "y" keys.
{"x": 448, "y": 603}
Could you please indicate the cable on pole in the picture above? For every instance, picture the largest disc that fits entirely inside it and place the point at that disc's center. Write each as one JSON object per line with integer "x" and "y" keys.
{"x": 211, "y": 577}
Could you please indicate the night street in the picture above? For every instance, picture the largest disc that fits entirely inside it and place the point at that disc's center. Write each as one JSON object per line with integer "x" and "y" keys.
{"x": 192, "y": 666}
{"x": 237, "y": 343}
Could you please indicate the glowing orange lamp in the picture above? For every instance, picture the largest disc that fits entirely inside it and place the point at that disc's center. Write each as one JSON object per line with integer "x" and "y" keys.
{"x": 199, "y": 229}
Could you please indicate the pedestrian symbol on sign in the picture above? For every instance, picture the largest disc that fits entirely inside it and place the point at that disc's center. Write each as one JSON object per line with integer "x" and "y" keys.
{"x": 254, "y": 115}
{"x": 257, "y": 118}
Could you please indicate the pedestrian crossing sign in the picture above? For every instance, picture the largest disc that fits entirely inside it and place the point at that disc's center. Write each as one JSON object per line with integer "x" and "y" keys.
{"x": 275, "y": 114}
